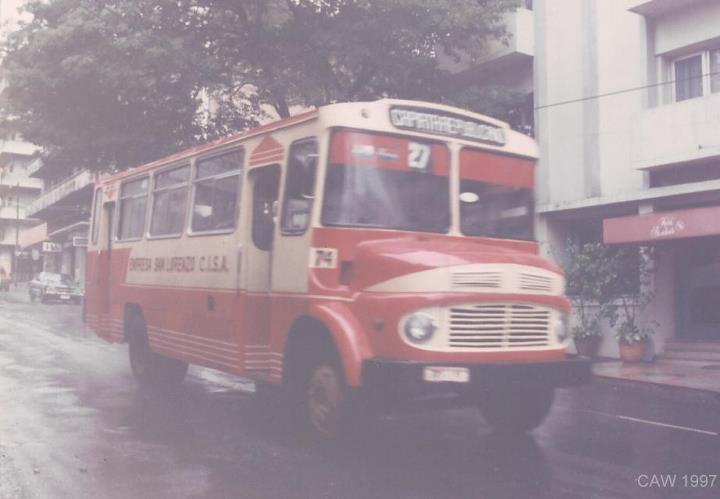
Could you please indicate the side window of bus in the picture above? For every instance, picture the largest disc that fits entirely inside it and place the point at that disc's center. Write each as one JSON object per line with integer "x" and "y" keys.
{"x": 96, "y": 215}
{"x": 133, "y": 202}
{"x": 169, "y": 202}
{"x": 217, "y": 187}
{"x": 299, "y": 186}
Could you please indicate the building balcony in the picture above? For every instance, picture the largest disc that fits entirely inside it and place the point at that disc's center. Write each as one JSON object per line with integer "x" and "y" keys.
{"x": 17, "y": 148}
{"x": 518, "y": 50}
{"x": 12, "y": 212}
{"x": 75, "y": 190}
{"x": 657, "y": 8}
{"x": 678, "y": 133}
{"x": 12, "y": 182}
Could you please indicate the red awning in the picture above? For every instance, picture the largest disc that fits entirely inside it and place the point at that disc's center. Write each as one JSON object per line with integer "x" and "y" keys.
{"x": 662, "y": 226}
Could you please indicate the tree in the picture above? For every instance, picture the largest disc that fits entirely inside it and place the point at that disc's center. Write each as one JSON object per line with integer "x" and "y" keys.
{"x": 111, "y": 83}
{"x": 590, "y": 274}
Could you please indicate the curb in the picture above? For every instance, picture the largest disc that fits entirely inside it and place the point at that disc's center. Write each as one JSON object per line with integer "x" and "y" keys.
{"x": 661, "y": 389}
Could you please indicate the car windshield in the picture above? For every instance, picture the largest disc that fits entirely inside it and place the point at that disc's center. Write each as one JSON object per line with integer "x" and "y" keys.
{"x": 387, "y": 182}
{"x": 53, "y": 278}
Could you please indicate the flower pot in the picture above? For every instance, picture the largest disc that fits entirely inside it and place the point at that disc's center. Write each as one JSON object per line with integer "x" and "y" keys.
{"x": 632, "y": 352}
{"x": 587, "y": 346}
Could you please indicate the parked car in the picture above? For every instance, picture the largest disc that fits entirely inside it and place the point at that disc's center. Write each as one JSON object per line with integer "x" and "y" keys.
{"x": 53, "y": 286}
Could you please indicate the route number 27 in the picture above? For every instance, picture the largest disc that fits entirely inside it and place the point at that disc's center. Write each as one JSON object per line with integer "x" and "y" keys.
{"x": 418, "y": 156}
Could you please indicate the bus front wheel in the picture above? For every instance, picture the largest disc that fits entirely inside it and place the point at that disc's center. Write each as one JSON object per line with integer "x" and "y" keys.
{"x": 516, "y": 410}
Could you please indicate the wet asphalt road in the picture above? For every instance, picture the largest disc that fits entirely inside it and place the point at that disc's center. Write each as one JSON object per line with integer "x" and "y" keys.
{"x": 73, "y": 425}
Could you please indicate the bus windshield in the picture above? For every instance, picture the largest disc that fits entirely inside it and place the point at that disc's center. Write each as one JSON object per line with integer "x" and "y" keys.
{"x": 387, "y": 182}
{"x": 496, "y": 195}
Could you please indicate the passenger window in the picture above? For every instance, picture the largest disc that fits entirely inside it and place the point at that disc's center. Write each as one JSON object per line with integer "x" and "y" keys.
{"x": 133, "y": 202}
{"x": 217, "y": 187}
{"x": 96, "y": 215}
{"x": 169, "y": 202}
{"x": 299, "y": 186}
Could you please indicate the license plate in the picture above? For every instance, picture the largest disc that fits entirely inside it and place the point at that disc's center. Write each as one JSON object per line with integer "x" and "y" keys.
{"x": 446, "y": 374}
{"x": 64, "y": 297}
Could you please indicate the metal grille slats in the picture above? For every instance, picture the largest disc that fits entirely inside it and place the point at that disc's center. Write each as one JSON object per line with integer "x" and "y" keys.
{"x": 534, "y": 282}
{"x": 476, "y": 280}
{"x": 505, "y": 280}
{"x": 488, "y": 326}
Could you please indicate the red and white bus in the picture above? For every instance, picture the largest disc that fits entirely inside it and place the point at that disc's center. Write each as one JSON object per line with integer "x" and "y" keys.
{"x": 379, "y": 248}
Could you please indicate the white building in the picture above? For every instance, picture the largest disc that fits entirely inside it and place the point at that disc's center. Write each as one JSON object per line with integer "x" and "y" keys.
{"x": 627, "y": 99}
{"x": 17, "y": 189}
{"x": 626, "y": 95}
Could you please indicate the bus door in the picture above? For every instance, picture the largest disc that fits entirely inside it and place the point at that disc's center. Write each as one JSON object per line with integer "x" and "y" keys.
{"x": 263, "y": 186}
{"x": 105, "y": 263}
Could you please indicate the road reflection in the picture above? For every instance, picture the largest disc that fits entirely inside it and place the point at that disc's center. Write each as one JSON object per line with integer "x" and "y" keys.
{"x": 413, "y": 455}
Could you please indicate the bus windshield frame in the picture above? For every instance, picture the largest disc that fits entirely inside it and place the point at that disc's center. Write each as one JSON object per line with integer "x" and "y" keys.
{"x": 381, "y": 180}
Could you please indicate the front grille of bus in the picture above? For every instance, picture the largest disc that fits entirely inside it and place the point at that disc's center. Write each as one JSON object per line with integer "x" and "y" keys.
{"x": 499, "y": 325}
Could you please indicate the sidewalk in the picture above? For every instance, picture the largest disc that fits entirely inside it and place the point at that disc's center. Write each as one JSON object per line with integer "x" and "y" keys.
{"x": 687, "y": 374}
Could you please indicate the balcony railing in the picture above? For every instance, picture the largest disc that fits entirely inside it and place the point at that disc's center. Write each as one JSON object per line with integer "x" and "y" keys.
{"x": 17, "y": 148}
{"x": 61, "y": 191}
{"x": 12, "y": 212}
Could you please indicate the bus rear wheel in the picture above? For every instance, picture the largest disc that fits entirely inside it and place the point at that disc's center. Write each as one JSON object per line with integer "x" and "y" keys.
{"x": 516, "y": 410}
{"x": 152, "y": 370}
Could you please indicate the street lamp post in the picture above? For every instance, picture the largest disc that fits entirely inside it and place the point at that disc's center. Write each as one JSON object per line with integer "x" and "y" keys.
{"x": 17, "y": 233}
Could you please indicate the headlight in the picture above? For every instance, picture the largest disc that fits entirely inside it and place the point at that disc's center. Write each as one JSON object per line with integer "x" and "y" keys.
{"x": 561, "y": 329}
{"x": 419, "y": 328}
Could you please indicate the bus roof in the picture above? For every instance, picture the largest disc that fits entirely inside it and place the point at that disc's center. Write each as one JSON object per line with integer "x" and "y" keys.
{"x": 413, "y": 117}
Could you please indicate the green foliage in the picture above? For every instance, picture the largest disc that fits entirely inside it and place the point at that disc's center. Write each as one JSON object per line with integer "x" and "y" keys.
{"x": 611, "y": 283}
{"x": 111, "y": 83}
{"x": 623, "y": 312}
{"x": 588, "y": 274}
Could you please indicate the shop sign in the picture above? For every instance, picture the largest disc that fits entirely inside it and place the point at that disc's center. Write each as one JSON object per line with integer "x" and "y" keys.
{"x": 80, "y": 241}
{"x": 650, "y": 227}
{"x": 667, "y": 226}
{"x": 51, "y": 247}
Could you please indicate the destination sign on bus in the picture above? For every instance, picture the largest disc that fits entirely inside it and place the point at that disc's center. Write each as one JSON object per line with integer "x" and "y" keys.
{"x": 439, "y": 123}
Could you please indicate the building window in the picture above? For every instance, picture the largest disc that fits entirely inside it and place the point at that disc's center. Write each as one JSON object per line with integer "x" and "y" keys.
{"x": 169, "y": 202}
{"x": 714, "y": 57}
{"x": 299, "y": 186}
{"x": 217, "y": 188}
{"x": 697, "y": 75}
{"x": 133, "y": 202}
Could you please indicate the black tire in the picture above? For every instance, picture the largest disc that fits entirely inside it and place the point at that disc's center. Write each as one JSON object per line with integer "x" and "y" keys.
{"x": 321, "y": 399}
{"x": 151, "y": 370}
{"x": 516, "y": 410}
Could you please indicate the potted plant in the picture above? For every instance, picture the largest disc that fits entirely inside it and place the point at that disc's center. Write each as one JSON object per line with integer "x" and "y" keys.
{"x": 632, "y": 291}
{"x": 632, "y": 341}
{"x": 587, "y": 273}
{"x": 587, "y": 340}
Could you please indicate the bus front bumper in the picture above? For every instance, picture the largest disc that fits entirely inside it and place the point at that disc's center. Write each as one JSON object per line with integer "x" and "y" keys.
{"x": 415, "y": 378}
